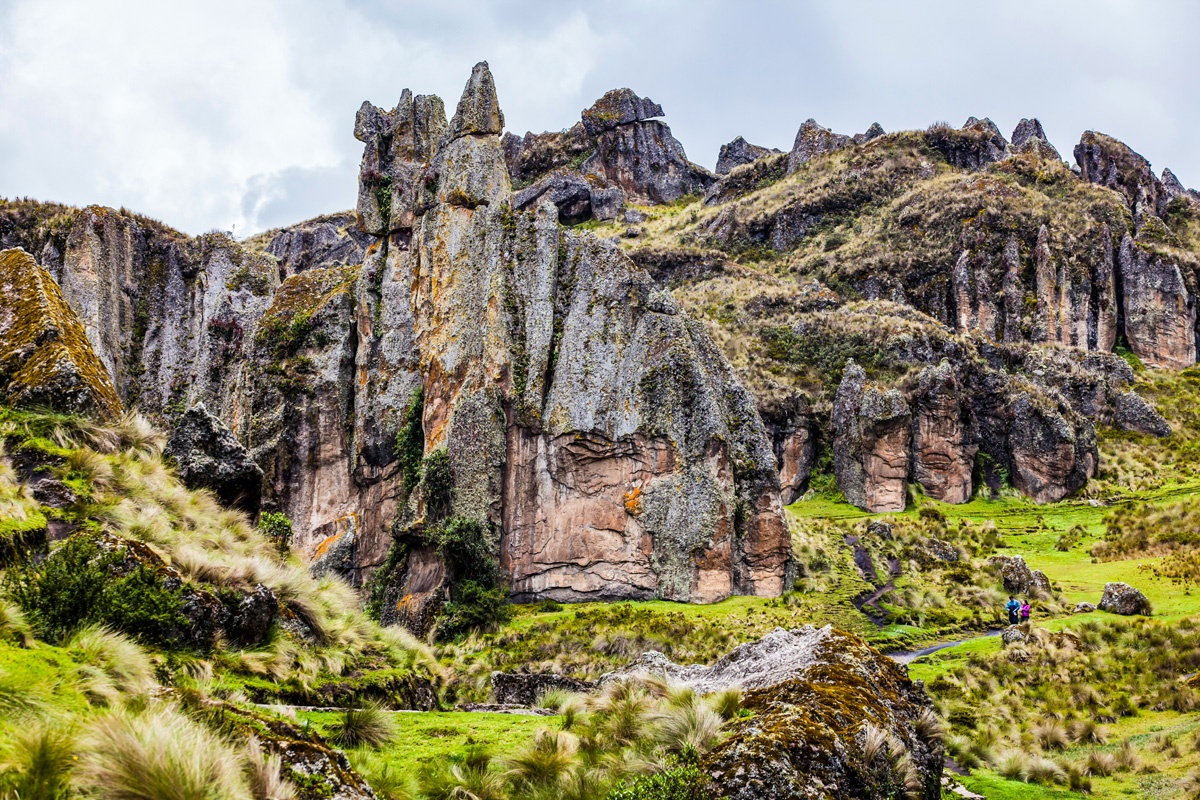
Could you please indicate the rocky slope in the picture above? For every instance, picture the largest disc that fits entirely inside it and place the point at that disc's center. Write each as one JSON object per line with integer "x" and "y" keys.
{"x": 623, "y": 418}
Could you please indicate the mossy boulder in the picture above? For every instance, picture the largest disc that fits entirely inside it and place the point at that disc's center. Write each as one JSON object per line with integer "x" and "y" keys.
{"x": 46, "y": 359}
{"x": 845, "y": 725}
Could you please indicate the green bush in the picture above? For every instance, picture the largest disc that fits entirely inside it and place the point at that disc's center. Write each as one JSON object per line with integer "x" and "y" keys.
{"x": 81, "y": 583}
{"x": 475, "y": 607}
{"x": 437, "y": 482}
{"x": 680, "y": 780}
{"x": 278, "y": 528}
{"x": 478, "y": 599}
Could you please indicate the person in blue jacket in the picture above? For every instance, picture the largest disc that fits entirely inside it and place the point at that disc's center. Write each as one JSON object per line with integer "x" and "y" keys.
{"x": 1014, "y": 609}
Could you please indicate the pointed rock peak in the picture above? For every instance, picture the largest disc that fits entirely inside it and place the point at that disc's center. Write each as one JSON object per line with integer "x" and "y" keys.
{"x": 874, "y": 132}
{"x": 1172, "y": 187}
{"x": 1027, "y": 129}
{"x": 619, "y": 107}
{"x": 985, "y": 124}
{"x": 812, "y": 140}
{"x": 479, "y": 108}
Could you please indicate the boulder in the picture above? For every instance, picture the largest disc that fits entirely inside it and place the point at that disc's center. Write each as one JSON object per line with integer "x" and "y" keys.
{"x": 207, "y": 455}
{"x": 46, "y": 358}
{"x": 816, "y": 693}
{"x": 813, "y": 140}
{"x": 1111, "y": 163}
{"x": 1019, "y": 579}
{"x": 1051, "y": 457}
{"x": 973, "y": 146}
{"x": 1121, "y": 598}
{"x": 739, "y": 152}
{"x": 478, "y": 111}
{"x": 524, "y": 689}
{"x": 871, "y": 444}
{"x": 1013, "y": 634}
{"x": 1134, "y": 413}
{"x": 570, "y": 192}
{"x": 939, "y": 550}
{"x": 1084, "y": 608}
{"x": 883, "y": 530}
{"x": 251, "y": 622}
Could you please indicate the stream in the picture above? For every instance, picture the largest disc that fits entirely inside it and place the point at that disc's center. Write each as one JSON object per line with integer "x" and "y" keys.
{"x": 908, "y": 656}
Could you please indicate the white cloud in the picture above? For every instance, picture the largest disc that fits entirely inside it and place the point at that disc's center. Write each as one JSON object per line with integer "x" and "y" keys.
{"x": 208, "y": 114}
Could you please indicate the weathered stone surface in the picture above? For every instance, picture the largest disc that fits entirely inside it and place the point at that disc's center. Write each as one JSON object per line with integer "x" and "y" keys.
{"x": 1030, "y": 137}
{"x": 1013, "y": 634}
{"x": 1113, "y": 164}
{"x": 739, "y": 152}
{"x": 813, "y": 140}
{"x": 45, "y": 356}
{"x": 820, "y": 689}
{"x": 1121, "y": 598}
{"x": 1084, "y": 608}
{"x": 939, "y": 550}
{"x": 1134, "y": 413}
{"x": 1160, "y": 312}
{"x": 618, "y": 107}
{"x": 208, "y": 456}
{"x": 646, "y": 162}
{"x": 251, "y": 621}
{"x": 874, "y": 132}
{"x": 943, "y": 448}
{"x": 478, "y": 110}
{"x": 333, "y": 240}
{"x": 573, "y": 195}
{"x": 793, "y": 437}
{"x": 1172, "y": 188}
{"x": 1051, "y": 457}
{"x": 871, "y": 445}
{"x": 524, "y": 689}
{"x": 746, "y": 178}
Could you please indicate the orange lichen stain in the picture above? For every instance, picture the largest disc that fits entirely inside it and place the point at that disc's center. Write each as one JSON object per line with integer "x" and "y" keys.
{"x": 403, "y": 602}
{"x": 323, "y": 547}
{"x": 633, "y": 501}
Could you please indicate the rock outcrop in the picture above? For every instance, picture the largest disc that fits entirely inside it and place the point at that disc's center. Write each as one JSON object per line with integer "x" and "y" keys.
{"x": 739, "y": 152}
{"x": 1121, "y": 598}
{"x": 45, "y": 357}
{"x": 813, "y": 140}
{"x": 1030, "y": 137}
{"x": 526, "y": 689}
{"x": 817, "y": 695}
{"x": 207, "y": 455}
{"x": 943, "y": 449}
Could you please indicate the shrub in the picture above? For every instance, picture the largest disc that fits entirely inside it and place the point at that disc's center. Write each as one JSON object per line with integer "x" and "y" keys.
{"x": 474, "y": 607}
{"x": 278, "y": 529}
{"x": 368, "y": 726}
{"x": 410, "y": 440}
{"x": 80, "y": 584}
{"x": 680, "y": 779}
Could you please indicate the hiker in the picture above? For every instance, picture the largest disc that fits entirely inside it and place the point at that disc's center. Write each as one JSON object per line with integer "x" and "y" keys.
{"x": 1014, "y": 608}
{"x": 1025, "y": 611}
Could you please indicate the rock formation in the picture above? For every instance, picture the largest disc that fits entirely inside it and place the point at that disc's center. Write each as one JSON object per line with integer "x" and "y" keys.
{"x": 1019, "y": 579}
{"x": 813, "y": 140}
{"x": 739, "y": 152}
{"x": 1029, "y": 137}
{"x": 207, "y": 455}
{"x": 45, "y": 357}
{"x": 871, "y": 447}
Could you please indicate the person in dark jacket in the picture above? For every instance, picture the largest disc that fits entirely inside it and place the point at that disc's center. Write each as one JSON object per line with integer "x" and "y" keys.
{"x": 1014, "y": 610}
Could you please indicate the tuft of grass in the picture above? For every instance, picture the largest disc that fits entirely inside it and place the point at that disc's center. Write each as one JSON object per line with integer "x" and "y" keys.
{"x": 115, "y": 668}
{"x": 727, "y": 703}
{"x": 39, "y": 764}
{"x": 369, "y": 726}
{"x": 158, "y": 754}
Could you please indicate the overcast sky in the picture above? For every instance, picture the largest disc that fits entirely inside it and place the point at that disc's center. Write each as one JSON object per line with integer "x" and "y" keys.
{"x": 214, "y": 114}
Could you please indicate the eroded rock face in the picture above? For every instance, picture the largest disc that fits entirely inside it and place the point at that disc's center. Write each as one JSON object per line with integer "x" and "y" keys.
{"x": 1111, "y": 163}
{"x": 1051, "y": 457}
{"x": 1121, "y": 598}
{"x": 812, "y": 703}
{"x": 943, "y": 449}
{"x": 1160, "y": 313}
{"x": 871, "y": 445}
{"x": 1030, "y": 137}
{"x": 46, "y": 359}
{"x": 525, "y": 689}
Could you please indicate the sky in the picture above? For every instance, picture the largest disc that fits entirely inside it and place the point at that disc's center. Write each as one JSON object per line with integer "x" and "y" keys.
{"x": 239, "y": 115}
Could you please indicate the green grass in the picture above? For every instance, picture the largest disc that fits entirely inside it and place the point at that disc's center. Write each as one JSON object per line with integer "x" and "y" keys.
{"x": 425, "y": 739}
